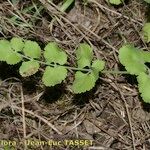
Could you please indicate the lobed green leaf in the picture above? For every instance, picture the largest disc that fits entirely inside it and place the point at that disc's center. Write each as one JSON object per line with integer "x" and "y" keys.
{"x": 32, "y": 49}
{"x": 29, "y": 68}
{"x": 13, "y": 58}
{"x": 54, "y": 75}
{"x": 8, "y": 54}
{"x": 17, "y": 44}
{"x": 146, "y": 32}
{"x": 53, "y": 54}
{"x": 148, "y": 1}
{"x": 97, "y": 67}
{"x": 144, "y": 86}
{"x": 116, "y": 2}
{"x": 145, "y": 56}
{"x": 5, "y": 48}
{"x": 131, "y": 58}
{"x": 83, "y": 82}
{"x": 84, "y": 55}
{"x": 86, "y": 81}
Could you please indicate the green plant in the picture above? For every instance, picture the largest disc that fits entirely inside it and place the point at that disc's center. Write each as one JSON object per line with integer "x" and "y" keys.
{"x": 66, "y": 5}
{"x": 148, "y": 1}
{"x": 116, "y": 2}
{"x": 87, "y": 71}
{"x": 29, "y": 53}
{"x": 135, "y": 61}
{"x": 146, "y": 32}
{"x": 86, "y": 81}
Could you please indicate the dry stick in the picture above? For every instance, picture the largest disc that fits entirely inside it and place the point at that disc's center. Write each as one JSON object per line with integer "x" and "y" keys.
{"x": 128, "y": 114}
{"x": 104, "y": 41}
{"x": 140, "y": 36}
{"x": 63, "y": 8}
{"x": 99, "y": 148}
{"x": 65, "y": 19}
{"x": 23, "y": 117}
{"x": 129, "y": 118}
{"x": 107, "y": 132}
{"x": 76, "y": 125}
{"x": 114, "y": 12}
{"x": 20, "y": 15}
{"x": 4, "y": 27}
{"x": 39, "y": 117}
{"x": 98, "y": 37}
{"x": 77, "y": 29}
{"x": 63, "y": 28}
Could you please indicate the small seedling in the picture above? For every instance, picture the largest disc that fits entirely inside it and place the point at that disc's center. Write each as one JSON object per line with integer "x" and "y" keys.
{"x": 87, "y": 70}
{"x": 29, "y": 53}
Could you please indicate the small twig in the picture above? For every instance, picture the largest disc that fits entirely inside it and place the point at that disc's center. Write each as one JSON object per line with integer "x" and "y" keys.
{"x": 114, "y": 12}
{"x": 39, "y": 117}
{"x": 23, "y": 116}
{"x": 129, "y": 118}
{"x": 106, "y": 131}
{"x": 128, "y": 114}
{"x": 99, "y": 148}
{"x": 75, "y": 27}
{"x": 20, "y": 15}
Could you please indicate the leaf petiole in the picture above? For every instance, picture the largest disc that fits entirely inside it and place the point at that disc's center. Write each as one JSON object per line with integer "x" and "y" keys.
{"x": 75, "y": 68}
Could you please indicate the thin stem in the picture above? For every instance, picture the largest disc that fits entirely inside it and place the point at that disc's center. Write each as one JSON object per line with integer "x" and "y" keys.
{"x": 53, "y": 65}
{"x": 75, "y": 68}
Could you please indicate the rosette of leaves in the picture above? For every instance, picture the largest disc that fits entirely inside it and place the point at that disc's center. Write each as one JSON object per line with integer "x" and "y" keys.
{"x": 85, "y": 81}
{"x": 134, "y": 61}
{"x": 55, "y": 72}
